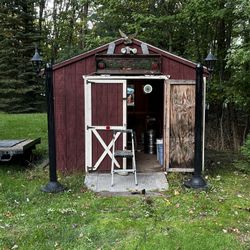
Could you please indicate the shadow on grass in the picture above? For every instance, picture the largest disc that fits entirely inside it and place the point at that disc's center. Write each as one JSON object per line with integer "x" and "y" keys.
{"x": 24, "y": 162}
{"x": 218, "y": 161}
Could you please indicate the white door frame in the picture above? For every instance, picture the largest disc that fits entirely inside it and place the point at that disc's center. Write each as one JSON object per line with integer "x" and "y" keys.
{"x": 88, "y": 118}
{"x": 93, "y": 130}
{"x": 160, "y": 77}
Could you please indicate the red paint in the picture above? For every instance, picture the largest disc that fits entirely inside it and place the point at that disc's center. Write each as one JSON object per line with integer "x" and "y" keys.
{"x": 106, "y": 111}
{"x": 69, "y": 102}
{"x": 154, "y": 66}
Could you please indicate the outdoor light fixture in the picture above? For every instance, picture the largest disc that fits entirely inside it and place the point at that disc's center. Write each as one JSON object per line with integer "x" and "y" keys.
{"x": 210, "y": 61}
{"x": 128, "y": 50}
{"x": 147, "y": 89}
{"x": 197, "y": 180}
{"x": 37, "y": 61}
{"x": 53, "y": 186}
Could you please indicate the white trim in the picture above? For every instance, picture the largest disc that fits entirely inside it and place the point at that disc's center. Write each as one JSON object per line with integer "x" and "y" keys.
{"x": 88, "y": 120}
{"x": 124, "y": 121}
{"x": 104, "y": 77}
{"x": 105, "y": 127}
{"x": 106, "y": 150}
{"x": 92, "y": 130}
{"x": 181, "y": 170}
{"x": 181, "y": 82}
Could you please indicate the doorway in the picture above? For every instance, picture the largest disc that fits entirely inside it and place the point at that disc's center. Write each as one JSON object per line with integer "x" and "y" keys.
{"x": 135, "y": 102}
{"x": 145, "y": 102}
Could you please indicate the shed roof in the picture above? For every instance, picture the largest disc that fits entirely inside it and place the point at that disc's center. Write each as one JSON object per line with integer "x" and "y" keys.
{"x": 120, "y": 41}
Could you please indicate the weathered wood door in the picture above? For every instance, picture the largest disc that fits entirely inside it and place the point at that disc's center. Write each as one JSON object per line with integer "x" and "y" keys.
{"x": 179, "y": 122}
{"x": 105, "y": 110}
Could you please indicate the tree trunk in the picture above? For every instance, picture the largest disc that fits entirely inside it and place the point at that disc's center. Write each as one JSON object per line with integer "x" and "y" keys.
{"x": 221, "y": 129}
{"x": 41, "y": 12}
{"x": 245, "y": 129}
{"x": 84, "y": 27}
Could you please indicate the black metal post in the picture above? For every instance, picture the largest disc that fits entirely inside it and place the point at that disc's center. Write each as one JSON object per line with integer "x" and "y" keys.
{"x": 197, "y": 181}
{"x": 53, "y": 186}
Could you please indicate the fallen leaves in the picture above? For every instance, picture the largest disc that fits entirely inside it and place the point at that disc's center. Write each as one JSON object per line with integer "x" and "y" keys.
{"x": 176, "y": 192}
{"x": 8, "y": 214}
{"x": 231, "y": 230}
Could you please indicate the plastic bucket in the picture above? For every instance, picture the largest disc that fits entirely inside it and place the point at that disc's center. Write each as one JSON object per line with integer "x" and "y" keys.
{"x": 160, "y": 146}
{"x": 158, "y": 142}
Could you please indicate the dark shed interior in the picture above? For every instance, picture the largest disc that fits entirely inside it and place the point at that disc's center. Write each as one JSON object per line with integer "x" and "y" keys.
{"x": 145, "y": 117}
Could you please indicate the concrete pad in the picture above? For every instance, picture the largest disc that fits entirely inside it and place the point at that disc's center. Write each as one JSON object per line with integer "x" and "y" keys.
{"x": 151, "y": 182}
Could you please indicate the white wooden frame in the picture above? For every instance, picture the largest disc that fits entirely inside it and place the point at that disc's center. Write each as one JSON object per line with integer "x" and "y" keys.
{"x": 89, "y": 129}
{"x": 108, "y": 78}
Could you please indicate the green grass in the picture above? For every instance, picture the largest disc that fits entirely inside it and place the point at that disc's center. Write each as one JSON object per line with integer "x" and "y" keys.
{"x": 22, "y": 126}
{"x": 79, "y": 219}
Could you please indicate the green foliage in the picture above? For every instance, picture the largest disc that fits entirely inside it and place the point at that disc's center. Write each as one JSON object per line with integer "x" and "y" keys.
{"x": 25, "y": 126}
{"x": 238, "y": 58}
{"x": 79, "y": 219}
{"x": 20, "y": 90}
{"x": 245, "y": 149}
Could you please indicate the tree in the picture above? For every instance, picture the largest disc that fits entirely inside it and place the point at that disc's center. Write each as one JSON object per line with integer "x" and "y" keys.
{"x": 20, "y": 91}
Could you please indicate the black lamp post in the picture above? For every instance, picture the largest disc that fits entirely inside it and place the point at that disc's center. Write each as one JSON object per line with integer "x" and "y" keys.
{"x": 197, "y": 180}
{"x": 53, "y": 185}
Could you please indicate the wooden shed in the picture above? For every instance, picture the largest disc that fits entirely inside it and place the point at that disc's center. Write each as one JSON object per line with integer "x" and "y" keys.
{"x": 106, "y": 88}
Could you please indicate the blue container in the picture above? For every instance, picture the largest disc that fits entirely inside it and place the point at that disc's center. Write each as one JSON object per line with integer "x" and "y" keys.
{"x": 158, "y": 142}
{"x": 160, "y": 151}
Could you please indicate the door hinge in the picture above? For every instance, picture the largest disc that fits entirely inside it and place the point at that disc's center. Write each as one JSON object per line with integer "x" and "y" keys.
{"x": 90, "y": 169}
{"x": 90, "y": 127}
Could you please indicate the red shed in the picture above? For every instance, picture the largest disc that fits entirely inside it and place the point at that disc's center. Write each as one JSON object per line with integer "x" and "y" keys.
{"x": 108, "y": 88}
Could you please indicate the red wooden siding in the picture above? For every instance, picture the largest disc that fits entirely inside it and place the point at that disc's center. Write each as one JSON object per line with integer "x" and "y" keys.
{"x": 106, "y": 111}
{"x": 69, "y": 99}
{"x": 60, "y": 119}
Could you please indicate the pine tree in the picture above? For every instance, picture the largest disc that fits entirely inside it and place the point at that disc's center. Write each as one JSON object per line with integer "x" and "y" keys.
{"x": 20, "y": 91}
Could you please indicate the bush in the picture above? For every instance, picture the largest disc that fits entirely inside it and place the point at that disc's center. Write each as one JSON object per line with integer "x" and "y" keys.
{"x": 244, "y": 163}
{"x": 245, "y": 149}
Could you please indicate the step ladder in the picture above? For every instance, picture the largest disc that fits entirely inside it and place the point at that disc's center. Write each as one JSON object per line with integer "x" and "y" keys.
{"x": 129, "y": 154}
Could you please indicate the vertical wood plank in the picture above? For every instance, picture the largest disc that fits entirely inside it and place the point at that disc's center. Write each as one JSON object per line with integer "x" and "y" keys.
{"x": 80, "y": 117}
{"x": 60, "y": 118}
{"x": 70, "y": 88}
{"x": 90, "y": 66}
{"x": 177, "y": 70}
{"x": 166, "y": 123}
{"x": 88, "y": 122}
{"x": 182, "y": 125}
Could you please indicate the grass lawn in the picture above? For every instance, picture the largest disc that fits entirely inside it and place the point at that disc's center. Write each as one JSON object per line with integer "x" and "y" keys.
{"x": 79, "y": 219}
